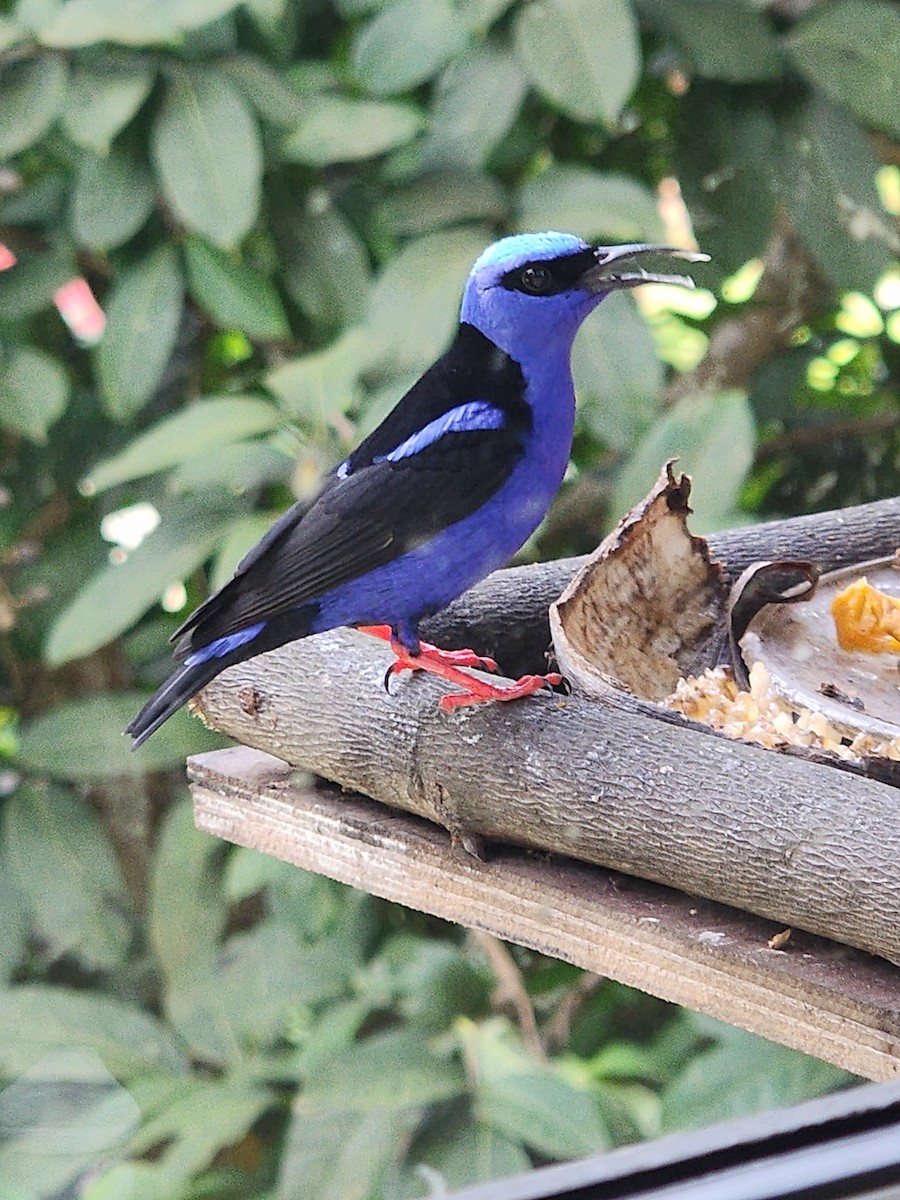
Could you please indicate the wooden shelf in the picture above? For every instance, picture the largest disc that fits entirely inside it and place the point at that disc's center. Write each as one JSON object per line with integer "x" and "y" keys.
{"x": 825, "y": 999}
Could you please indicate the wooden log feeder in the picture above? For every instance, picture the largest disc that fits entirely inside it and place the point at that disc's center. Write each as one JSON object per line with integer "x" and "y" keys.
{"x": 757, "y": 883}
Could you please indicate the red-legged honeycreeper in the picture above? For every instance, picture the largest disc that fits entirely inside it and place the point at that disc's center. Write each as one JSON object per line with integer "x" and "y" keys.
{"x": 445, "y": 490}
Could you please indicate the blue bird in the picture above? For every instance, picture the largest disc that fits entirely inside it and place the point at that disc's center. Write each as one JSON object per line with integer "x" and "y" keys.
{"x": 443, "y": 492}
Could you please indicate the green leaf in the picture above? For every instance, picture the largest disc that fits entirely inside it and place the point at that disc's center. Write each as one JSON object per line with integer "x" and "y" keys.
{"x": 59, "y": 1119}
{"x": 129, "y": 23}
{"x": 325, "y": 264}
{"x": 200, "y": 1119}
{"x": 112, "y": 601}
{"x": 436, "y": 201}
{"x": 709, "y": 32}
{"x": 618, "y": 375}
{"x": 713, "y": 437}
{"x": 340, "y": 1156}
{"x": 31, "y": 95}
{"x": 269, "y": 92}
{"x": 743, "y": 1075}
{"x": 83, "y": 740}
{"x": 827, "y": 168}
{"x": 526, "y": 1101}
{"x": 38, "y": 1020}
{"x": 339, "y": 129}
{"x": 414, "y": 306}
{"x": 11, "y": 32}
{"x": 407, "y": 43}
{"x": 30, "y": 287}
{"x": 64, "y": 867}
{"x": 240, "y": 537}
{"x": 319, "y": 386}
{"x": 385, "y": 1072}
{"x": 200, "y": 427}
{"x": 143, "y": 314}
{"x": 595, "y": 204}
{"x": 207, "y": 153}
{"x": 243, "y": 1001}
{"x": 583, "y": 55}
{"x": 102, "y": 100}
{"x": 233, "y": 293}
{"x": 476, "y": 101}
{"x": 473, "y": 1155}
{"x": 35, "y": 392}
{"x": 726, "y": 156}
{"x": 186, "y": 913}
{"x": 851, "y": 50}
{"x": 13, "y": 926}
{"x": 113, "y": 198}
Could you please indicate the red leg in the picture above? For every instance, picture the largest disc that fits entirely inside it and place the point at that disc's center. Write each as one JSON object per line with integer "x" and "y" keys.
{"x": 448, "y": 663}
{"x": 432, "y": 654}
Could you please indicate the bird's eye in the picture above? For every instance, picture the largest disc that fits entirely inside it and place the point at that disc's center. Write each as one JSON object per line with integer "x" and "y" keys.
{"x": 536, "y": 279}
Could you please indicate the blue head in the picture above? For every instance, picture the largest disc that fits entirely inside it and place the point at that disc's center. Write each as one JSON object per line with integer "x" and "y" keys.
{"x": 532, "y": 291}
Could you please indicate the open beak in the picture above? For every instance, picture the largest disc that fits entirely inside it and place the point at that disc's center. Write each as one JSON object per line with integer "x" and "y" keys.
{"x": 616, "y": 267}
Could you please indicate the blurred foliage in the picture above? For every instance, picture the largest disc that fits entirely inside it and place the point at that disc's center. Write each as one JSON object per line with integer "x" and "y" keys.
{"x": 276, "y": 205}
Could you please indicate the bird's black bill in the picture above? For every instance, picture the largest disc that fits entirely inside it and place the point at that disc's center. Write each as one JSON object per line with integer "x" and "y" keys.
{"x": 616, "y": 266}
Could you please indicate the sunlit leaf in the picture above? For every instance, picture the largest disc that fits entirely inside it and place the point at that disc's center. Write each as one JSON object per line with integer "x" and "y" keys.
{"x": 111, "y": 602}
{"x": 113, "y": 198}
{"x": 583, "y": 55}
{"x": 143, "y": 313}
{"x": 849, "y": 49}
{"x": 84, "y": 740}
{"x": 65, "y": 870}
{"x": 594, "y": 204}
{"x": 233, "y": 293}
{"x": 38, "y": 1019}
{"x": 339, "y": 129}
{"x": 712, "y": 435}
{"x": 208, "y": 156}
{"x": 31, "y": 96}
{"x": 199, "y": 428}
{"x": 35, "y": 391}
{"x": 406, "y": 43}
{"x": 128, "y": 22}
{"x": 102, "y": 100}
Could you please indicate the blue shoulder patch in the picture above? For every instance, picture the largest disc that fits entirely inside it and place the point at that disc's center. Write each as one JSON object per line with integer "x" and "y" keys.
{"x": 465, "y": 418}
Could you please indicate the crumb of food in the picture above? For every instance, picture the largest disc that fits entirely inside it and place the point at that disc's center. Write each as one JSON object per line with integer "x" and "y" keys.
{"x": 867, "y": 619}
{"x": 761, "y": 715}
{"x": 778, "y": 941}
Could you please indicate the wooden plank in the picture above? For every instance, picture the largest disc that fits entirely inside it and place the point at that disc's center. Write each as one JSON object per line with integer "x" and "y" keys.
{"x": 817, "y": 996}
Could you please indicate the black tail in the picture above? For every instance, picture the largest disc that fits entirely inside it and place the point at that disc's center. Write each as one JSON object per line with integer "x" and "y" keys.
{"x": 179, "y": 687}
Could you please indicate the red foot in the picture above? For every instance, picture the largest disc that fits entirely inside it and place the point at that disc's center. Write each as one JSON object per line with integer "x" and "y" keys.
{"x": 447, "y": 664}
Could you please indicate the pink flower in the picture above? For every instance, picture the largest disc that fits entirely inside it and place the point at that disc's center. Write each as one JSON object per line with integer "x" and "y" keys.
{"x": 80, "y": 311}
{"x": 7, "y": 258}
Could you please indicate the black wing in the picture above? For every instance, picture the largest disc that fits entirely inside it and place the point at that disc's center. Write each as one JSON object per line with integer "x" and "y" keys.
{"x": 376, "y": 512}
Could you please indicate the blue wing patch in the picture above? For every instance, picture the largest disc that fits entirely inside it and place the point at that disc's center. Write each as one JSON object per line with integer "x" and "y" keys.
{"x": 465, "y": 418}
{"x": 224, "y": 645}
